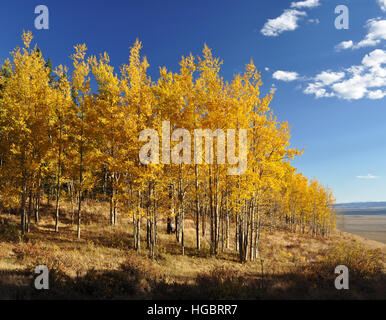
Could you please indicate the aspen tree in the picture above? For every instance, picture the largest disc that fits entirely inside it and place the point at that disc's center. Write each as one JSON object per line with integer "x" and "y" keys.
{"x": 110, "y": 152}
{"x": 56, "y": 132}
{"x": 81, "y": 95}
{"x": 60, "y": 122}
{"x": 26, "y": 108}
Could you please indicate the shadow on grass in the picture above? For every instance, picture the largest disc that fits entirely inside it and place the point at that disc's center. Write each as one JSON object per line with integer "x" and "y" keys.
{"x": 132, "y": 282}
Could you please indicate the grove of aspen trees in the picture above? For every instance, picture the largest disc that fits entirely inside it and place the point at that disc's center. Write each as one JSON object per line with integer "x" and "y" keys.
{"x": 73, "y": 134}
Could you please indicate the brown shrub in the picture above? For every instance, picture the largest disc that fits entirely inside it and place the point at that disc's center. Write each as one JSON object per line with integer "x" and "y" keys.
{"x": 222, "y": 283}
{"x": 35, "y": 255}
{"x": 111, "y": 284}
{"x": 9, "y": 231}
{"x": 362, "y": 262}
{"x": 139, "y": 267}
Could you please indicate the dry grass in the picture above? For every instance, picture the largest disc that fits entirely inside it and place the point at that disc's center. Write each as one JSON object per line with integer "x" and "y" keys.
{"x": 103, "y": 263}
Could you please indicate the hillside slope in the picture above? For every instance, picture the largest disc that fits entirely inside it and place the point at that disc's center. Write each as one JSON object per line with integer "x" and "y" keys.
{"x": 103, "y": 264}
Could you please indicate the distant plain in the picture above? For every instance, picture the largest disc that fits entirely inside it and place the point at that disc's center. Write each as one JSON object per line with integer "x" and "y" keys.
{"x": 365, "y": 221}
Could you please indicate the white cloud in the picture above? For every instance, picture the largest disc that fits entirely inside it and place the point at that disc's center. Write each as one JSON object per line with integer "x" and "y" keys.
{"x": 285, "y": 75}
{"x": 382, "y": 4}
{"x": 287, "y": 21}
{"x": 318, "y": 90}
{"x": 316, "y": 21}
{"x": 375, "y": 58}
{"x": 266, "y": 69}
{"x": 344, "y": 45}
{"x": 369, "y": 176}
{"x": 367, "y": 80}
{"x": 328, "y": 77}
{"x": 375, "y": 34}
{"x": 377, "y": 94}
{"x": 323, "y": 79}
{"x": 351, "y": 89}
{"x": 305, "y": 4}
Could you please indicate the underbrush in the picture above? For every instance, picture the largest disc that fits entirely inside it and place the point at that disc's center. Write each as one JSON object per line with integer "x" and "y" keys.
{"x": 367, "y": 277}
{"x": 33, "y": 254}
{"x": 220, "y": 283}
{"x": 9, "y": 232}
{"x": 310, "y": 281}
{"x": 132, "y": 281}
{"x": 291, "y": 271}
{"x": 362, "y": 262}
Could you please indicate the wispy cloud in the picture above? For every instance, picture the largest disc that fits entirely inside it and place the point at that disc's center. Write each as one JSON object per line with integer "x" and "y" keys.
{"x": 321, "y": 80}
{"x": 382, "y": 4}
{"x": 285, "y": 75}
{"x": 305, "y": 4}
{"x": 344, "y": 45}
{"x": 287, "y": 21}
{"x": 368, "y": 177}
{"x": 367, "y": 80}
{"x": 376, "y": 32}
{"x": 328, "y": 77}
{"x": 316, "y": 21}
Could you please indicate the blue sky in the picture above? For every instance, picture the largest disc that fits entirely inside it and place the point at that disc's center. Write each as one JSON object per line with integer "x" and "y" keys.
{"x": 330, "y": 84}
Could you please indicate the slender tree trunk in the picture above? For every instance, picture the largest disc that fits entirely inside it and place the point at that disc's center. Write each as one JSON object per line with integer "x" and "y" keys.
{"x": 156, "y": 229}
{"x": 252, "y": 229}
{"x": 237, "y": 230}
{"x": 241, "y": 239}
{"x": 216, "y": 221}
{"x": 137, "y": 224}
{"x": 23, "y": 204}
{"x": 135, "y": 231}
{"x": 245, "y": 232}
{"x": 80, "y": 181}
{"x": 36, "y": 208}
{"x": 154, "y": 239}
{"x": 79, "y": 212}
{"x": 48, "y": 195}
{"x": 222, "y": 230}
{"x": 139, "y": 233}
{"x": 227, "y": 224}
{"x": 57, "y": 206}
{"x": 37, "y": 198}
{"x": 150, "y": 224}
{"x": 148, "y": 221}
{"x": 29, "y": 211}
{"x": 169, "y": 228}
{"x": 177, "y": 226}
{"x": 257, "y": 233}
{"x": 181, "y": 209}
{"x": 71, "y": 191}
{"x": 111, "y": 208}
{"x": 204, "y": 210}
{"x": 182, "y": 231}
{"x": 212, "y": 222}
{"x": 197, "y": 211}
{"x": 115, "y": 211}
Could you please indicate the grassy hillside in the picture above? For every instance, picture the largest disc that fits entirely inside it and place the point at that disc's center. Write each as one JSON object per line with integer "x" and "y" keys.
{"x": 103, "y": 264}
